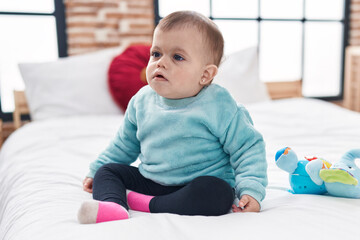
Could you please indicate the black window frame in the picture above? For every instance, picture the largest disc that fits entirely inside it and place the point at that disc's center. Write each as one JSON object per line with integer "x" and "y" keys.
{"x": 59, "y": 14}
{"x": 346, "y": 30}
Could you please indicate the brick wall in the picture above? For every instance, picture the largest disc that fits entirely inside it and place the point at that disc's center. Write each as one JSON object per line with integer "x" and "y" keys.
{"x": 354, "y": 38}
{"x": 98, "y": 24}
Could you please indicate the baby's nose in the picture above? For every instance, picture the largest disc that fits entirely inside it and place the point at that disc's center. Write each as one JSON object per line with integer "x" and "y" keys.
{"x": 162, "y": 63}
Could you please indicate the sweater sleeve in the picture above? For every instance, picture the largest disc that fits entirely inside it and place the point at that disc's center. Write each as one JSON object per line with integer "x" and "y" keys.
{"x": 246, "y": 148}
{"x": 125, "y": 146}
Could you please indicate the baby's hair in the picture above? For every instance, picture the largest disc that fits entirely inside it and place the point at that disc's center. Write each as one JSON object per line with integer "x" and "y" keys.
{"x": 208, "y": 28}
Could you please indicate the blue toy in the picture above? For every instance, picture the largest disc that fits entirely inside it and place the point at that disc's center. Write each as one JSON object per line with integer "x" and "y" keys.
{"x": 317, "y": 176}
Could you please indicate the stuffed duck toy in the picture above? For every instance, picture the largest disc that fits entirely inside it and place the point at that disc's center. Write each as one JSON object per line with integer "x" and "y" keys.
{"x": 313, "y": 175}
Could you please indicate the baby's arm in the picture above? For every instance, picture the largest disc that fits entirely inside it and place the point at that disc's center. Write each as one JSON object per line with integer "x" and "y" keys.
{"x": 124, "y": 148}
{"x": 246, "y": 148}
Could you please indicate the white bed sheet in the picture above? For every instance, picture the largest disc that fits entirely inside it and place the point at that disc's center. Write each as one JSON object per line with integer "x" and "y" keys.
{"x": 42, "y": 166}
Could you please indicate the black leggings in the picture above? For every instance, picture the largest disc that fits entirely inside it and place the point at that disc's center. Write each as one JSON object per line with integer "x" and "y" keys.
{"x": 206, "y": 195}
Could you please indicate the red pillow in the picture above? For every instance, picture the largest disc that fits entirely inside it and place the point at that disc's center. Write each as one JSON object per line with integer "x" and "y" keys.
{"x": 127, "y": 73}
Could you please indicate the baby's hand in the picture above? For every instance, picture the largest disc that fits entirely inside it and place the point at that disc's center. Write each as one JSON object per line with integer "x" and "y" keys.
{"x": 247, "y": 204}
{"x": 88, "y": 184}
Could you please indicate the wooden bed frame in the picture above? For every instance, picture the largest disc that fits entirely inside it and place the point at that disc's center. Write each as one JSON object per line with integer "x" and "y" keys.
{"x": 278, "y": 90}
{"x": 352, "y": 78}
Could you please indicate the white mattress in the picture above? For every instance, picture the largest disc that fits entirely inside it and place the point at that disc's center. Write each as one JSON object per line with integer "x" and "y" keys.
{"x": 42, "y": 166}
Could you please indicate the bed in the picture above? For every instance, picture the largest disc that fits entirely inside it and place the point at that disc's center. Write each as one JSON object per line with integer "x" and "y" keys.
{"x": 43, "y": 163}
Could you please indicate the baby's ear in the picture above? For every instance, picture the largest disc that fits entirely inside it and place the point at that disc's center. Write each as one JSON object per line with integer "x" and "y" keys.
{"x": 209, "y": 73}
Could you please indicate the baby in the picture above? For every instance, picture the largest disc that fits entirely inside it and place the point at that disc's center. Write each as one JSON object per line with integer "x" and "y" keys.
{"x": 197, "y": 147}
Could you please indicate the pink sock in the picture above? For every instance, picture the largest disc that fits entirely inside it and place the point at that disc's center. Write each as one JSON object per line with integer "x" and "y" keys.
{"x": 97, "y": 211}
{"x": 110, "y": 211}
{"x": 138, "y": 201}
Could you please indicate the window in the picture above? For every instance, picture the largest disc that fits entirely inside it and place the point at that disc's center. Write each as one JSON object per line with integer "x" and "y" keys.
{"x": 30, "y": 31}
{"x": 297, "y": 39}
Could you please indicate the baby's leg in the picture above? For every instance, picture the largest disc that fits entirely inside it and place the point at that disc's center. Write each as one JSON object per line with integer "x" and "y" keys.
{"x": 109, "y": 192}
{"x": 111, "y": 181}
{"x": 207, "y": 195}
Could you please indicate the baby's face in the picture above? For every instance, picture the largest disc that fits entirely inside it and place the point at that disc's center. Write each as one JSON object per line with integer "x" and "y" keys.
{"x": 177, "y": 63}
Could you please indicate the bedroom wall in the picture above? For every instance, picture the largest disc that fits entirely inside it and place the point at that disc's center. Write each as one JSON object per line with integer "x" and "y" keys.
{"x": 98, "y": 24}
{"x": 354, "y": 38}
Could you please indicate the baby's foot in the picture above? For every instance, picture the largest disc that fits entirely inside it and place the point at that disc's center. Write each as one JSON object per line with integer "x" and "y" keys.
{"x": 139, "y": 202}
{"x": 97, "y": 211}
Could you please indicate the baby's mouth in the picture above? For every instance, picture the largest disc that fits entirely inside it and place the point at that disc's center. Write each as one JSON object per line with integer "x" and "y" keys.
{"x": 160, "y": 77}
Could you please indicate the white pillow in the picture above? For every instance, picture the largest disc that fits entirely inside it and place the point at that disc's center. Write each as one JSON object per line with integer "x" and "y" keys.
{"x": 239, "y": 74}
{"x": 74, "y": 85}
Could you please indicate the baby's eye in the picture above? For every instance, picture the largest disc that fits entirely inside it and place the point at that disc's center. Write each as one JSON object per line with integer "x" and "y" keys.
{"x": 155, "y": 54}
{"x": 178, "y": 57}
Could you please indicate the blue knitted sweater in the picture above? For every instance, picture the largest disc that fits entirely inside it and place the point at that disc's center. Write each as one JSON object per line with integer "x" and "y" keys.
{"x": 178, "y": 140}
